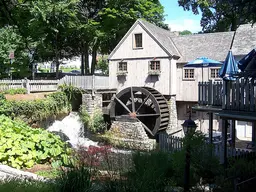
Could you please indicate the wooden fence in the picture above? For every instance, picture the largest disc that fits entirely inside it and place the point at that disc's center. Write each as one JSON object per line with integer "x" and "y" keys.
{"x": 239, "y": 95}
{"x": 92, "y": 82}
{"x": 30, "y": 85}
{"x": 173, "y": 144}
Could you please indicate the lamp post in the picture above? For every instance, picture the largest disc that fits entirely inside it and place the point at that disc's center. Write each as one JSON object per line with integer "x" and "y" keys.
{"x": 189, "y": 127}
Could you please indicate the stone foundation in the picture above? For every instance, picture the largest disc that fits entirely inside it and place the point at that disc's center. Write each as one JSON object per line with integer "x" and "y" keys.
{"x": 132, "y": 135}
{"x": 92, "y": 103}
{"x": 173, "y": 127}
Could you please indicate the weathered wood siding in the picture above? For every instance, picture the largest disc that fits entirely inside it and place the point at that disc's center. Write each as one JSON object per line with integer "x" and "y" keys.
{"x": 150, "y": 47}
{"x": 138, "y": 76}
{"x": 187, "y": 89}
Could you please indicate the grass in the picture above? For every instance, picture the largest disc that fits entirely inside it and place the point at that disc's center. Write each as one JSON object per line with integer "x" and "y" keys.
{"x": 19, "y": 185}
{"x": 51, "y": 174}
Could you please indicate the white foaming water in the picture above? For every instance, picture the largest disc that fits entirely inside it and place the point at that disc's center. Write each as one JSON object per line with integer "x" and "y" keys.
{"x": 73, "y": 128}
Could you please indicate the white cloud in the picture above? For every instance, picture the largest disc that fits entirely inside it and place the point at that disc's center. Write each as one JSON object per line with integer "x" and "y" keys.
{"x": 184, "y": 24}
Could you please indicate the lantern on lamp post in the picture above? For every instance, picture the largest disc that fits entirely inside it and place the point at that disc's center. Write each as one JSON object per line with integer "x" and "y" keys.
{"x": 189, "y": 127}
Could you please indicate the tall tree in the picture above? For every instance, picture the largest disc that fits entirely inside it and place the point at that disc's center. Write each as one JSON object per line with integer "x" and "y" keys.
{"x": 222, "y": 15}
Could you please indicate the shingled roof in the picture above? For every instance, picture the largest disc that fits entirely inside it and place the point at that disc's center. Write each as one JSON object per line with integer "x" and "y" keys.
{"x": 245, "y": 40}
{"x": 212, "y": 45}
{"x": 163, "y": 36}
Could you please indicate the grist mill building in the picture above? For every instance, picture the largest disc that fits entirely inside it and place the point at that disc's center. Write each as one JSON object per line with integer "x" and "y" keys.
{"x": 147, "y": 69}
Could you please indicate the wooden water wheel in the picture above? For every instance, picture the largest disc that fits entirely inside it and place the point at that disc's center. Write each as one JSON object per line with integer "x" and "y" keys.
{"x": 142, "y": 104}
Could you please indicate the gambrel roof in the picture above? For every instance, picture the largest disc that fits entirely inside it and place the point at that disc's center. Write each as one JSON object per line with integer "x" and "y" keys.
{"x": 188, "y": 47}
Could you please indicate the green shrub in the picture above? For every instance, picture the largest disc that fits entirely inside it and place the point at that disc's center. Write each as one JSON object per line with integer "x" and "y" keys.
{"x": 2, "y": 97}
{"x": 77, "y": 179}
{"x": 24, "y": 185}
{"x": 22, "y": 146}
{"x": 95, "y": 123}
{"x": 15, "y": 91}
{"x": 36, "y": 109}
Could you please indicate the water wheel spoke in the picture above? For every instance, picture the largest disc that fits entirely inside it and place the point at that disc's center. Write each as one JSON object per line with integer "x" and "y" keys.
{"x": 148, "y": 115}
{"x": 133, "y": 104}
{"x": 146, "y": 127}
{"x": 126, "y": 108}
{"x": 145, "y": 100}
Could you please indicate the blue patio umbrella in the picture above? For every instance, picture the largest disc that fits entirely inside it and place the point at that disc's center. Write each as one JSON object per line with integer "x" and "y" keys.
{"x": 203, "y": 62}
{"x": 229, "y": 69}
{"x": 248, "y": 64}
{"x": 244, "y": 62}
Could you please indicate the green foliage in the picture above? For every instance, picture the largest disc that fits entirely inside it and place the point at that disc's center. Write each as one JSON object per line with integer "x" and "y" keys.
{"x": 223, "y": 14}
{"x": 77, "y": 179}
{"x": 2, "y": 97}
{"x": 24, "y": 185}
{"x": 185, "y": 32}
{"x": 34, "y": 110}
{"x": 15, "y": 91}
{"x": 52, "y": 174}
{"x": 22, "y": 146}
{"x": 71, "y": 91}
{"x": 95, "y": 123}
{"x": 102, "y": 65}
{"x": 10, "y": 40}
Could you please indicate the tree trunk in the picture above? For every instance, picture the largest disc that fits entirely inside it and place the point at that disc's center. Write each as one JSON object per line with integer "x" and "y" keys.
{"x": 57, "y": 68}
{"x": 86, "y": 58}
{"x": 94, "y": 59}
{"x": 82, "y": 63}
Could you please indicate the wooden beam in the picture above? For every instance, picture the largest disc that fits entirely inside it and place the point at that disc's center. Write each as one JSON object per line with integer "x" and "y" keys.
{"x": 254, "y": 135}
{"x": 210, "y": 126}
{"x": 233, "y": 133}
{"x": 224, "y": 142}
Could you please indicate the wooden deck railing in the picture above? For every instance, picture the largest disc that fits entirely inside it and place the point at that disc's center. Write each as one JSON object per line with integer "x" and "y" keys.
{"x": 239, "y": 95}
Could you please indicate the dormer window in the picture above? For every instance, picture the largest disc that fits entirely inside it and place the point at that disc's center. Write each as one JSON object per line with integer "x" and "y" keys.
{"x": 138, "y": 40}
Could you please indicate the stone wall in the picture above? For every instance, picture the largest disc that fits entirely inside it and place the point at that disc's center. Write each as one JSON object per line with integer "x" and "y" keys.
{"x": 173, "y": 127}
{"x": 92, "y": 103}
{"x": 132, "y": 135}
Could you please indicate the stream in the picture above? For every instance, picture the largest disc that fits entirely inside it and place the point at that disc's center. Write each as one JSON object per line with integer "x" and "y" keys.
{"x": 73, "y": 128}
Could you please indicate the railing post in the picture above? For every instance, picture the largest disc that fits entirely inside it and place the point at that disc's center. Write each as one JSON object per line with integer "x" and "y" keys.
{"x": 210, "y": 92}
{"x": 224, "y": 92}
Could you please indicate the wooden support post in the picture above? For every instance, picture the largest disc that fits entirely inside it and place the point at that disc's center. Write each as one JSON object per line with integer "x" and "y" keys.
{"x": 254, "y": 135}
{"x": 224, "y": 142}
{"x": 233, "y": 133}
{"x": 210, "y": 126}
{"x": 224, "y": 92}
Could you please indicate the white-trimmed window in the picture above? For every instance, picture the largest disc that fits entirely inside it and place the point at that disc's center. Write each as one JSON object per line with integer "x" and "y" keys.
{"x": 214, "y": 73}
{"x": 122, "y": 67}
{"x": 189, "y": 74}
{"x": 154, "y": 66}
{"x": 137, "y": 40}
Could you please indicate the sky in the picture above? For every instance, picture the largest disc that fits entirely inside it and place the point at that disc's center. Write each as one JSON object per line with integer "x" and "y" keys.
{"x": 178, "y": 19}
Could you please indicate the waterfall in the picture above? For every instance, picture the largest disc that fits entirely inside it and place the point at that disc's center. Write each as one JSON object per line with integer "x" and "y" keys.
{"x": 73, "y": 128}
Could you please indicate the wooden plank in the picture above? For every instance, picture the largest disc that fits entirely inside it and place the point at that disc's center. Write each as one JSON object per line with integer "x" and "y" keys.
{"x": 238, "y": 97}
{"x": 242, "y": 103}
{"x": 233, "y": 95}
{"x": 252, "y": 96}
{"x": 247, "y": 96}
